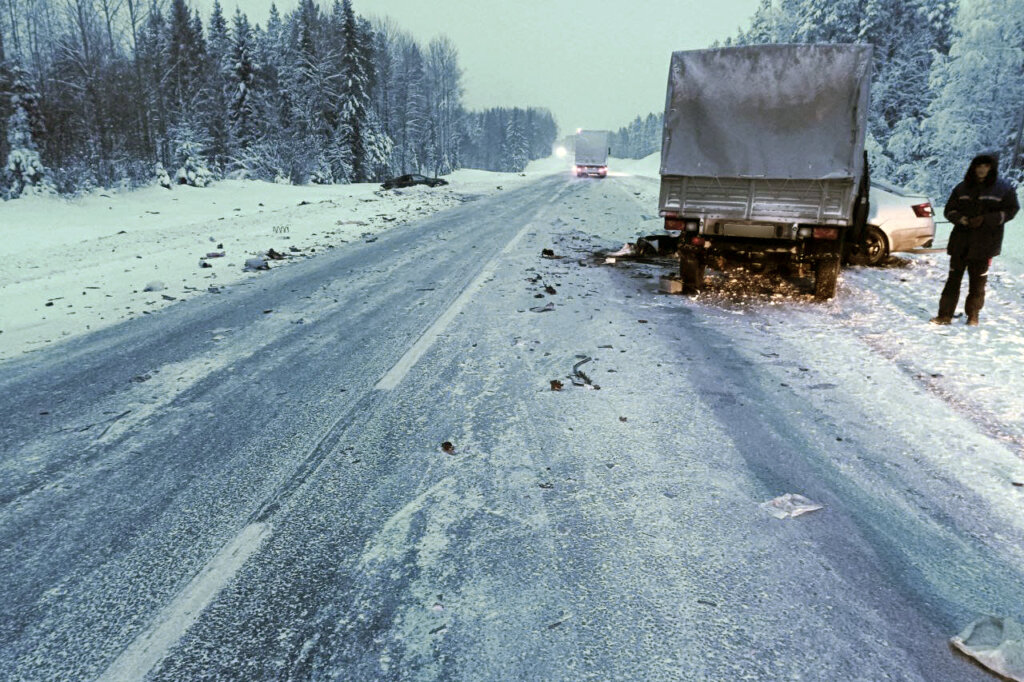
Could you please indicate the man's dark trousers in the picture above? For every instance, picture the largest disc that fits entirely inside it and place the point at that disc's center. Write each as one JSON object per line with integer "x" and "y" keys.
{"x": 977, "y": 276}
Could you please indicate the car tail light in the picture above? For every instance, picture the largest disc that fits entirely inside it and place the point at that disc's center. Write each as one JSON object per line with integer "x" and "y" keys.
{"x": 826, "y": 233}
{"x": 674, "y": 224}
{"x": 923, "y": 210}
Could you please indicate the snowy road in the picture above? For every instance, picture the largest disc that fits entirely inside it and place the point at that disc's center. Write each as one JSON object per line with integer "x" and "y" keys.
{"x": 250, "y": 485}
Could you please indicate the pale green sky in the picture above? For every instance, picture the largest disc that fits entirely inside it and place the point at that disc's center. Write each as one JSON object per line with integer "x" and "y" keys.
{"x": 595, "y": 64}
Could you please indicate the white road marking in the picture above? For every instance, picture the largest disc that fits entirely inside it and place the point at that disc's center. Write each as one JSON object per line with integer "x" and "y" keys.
{"x": 395, "y": 375}
{"x": 150, "y": 647}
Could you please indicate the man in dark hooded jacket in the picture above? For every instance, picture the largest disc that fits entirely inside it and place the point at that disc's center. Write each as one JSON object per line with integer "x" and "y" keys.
{"x": 978, "y": 208}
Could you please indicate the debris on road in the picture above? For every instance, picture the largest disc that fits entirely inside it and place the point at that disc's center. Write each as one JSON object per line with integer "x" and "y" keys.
{"x": 543, "y": 309}
{"x": 628, "y": 249}
{"x": 548, "y": 253}
{"x": 274, "y": 255}
{"x": 556, "y": 385}
{"x": 996, "y": 643}
{"x": 448, "y": 448}
{"x": 670, "y": 284}
{"x": 789, "y": 506}
{"x": 215, "y": 254}
{"x": 255, "y": 264}
{"x": 154, "y": 286}
{"x": 579, "y": 378}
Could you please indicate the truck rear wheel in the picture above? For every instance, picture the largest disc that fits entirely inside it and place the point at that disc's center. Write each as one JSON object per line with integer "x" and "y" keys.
{"x": 691, "y": 272}
{"x": 826, "y": 278}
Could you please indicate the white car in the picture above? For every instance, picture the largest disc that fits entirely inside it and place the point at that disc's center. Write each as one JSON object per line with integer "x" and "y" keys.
{"x": 898, "y": 221}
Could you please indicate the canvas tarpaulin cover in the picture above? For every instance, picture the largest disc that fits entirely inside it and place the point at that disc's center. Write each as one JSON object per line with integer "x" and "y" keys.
{"x": 767, "y": 111}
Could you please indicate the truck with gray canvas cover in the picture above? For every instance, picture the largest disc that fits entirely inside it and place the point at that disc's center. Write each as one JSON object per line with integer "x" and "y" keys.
{"x": 592, "y": 149}
{"x": 762, "y": 157}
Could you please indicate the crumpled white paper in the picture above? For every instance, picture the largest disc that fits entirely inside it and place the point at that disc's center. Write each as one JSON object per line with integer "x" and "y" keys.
{"x": 996, "y": 643}
{"x": 626, "y": 250}
{"x": 789, "y": 505}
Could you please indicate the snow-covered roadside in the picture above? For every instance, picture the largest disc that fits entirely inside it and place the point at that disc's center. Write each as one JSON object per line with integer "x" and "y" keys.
{"x": 72, "y": 266}
{"x": 979, "y": 370}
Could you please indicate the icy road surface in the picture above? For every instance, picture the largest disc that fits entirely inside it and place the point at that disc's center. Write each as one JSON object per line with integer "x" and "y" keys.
{"x": 251, "y": 485}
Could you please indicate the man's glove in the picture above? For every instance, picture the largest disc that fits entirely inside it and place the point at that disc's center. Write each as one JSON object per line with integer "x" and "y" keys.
{"x": 975, "y": 222}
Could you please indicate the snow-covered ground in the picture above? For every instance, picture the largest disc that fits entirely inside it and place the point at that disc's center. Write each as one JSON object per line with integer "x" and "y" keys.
{"x": 72, "y": 266}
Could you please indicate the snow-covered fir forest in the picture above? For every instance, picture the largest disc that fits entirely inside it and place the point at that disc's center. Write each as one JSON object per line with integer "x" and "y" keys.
{"x": 642, "y": 137}
{"x": 96, "y": 93}
{"x": 948, "y": 78}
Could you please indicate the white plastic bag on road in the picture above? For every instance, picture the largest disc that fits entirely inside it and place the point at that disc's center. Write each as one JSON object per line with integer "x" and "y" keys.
{"x": 996, "y": 643}
{"x": 789, "y": 505}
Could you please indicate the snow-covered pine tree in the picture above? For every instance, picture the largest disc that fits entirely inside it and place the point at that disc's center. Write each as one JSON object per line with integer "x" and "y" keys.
{"x": 271, "y": 52}
{"x": 24, "y": 167}
{"x": 153, "y": 58}
{"x": 354, "y": 95}
{"x": 378, "y": 147}
{"x": 242, "y": 113}
{"x": 216, "y": 98}
{"x": 515, "y": 152}
{"x": 184, "y": 59}
{"x": 189, "y": 139}
{"x": 310, "y": 83}
{"x": 837, "y": 21}
{"x": 978, "y": 91}
{"x": 410, "y": 107}
{"x": 901, "y": 39}
{"x": 445, "y": 82}
{"x": 5, "y": 108}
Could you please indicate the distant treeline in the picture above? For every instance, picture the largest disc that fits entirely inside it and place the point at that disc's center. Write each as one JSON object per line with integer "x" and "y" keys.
{"x": 948, "y": 78}
{"x": 97, "y": 93}
{"x": 640, "y": 138}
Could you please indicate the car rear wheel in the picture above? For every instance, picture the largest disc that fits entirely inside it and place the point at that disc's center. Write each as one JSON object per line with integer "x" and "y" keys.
{"x": 872, "y": 250}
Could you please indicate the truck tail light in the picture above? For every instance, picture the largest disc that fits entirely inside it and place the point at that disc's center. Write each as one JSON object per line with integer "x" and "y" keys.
{"x": 674, "y": 224}
{"x": 923, "y": 210}
{"x": 826, "y": 233}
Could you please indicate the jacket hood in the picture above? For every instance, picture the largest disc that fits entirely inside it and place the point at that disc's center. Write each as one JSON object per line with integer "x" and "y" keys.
{"x": 991, "y": 158}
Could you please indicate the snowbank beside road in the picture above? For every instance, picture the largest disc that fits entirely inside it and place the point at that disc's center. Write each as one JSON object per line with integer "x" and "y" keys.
{"x": 649, "y": 166}
{"x": 77, "y": 265}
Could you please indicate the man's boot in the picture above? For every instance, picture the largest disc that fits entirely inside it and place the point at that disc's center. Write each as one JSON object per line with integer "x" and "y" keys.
{"x": 972, "y": 320}
{"x": 941, "y": 319}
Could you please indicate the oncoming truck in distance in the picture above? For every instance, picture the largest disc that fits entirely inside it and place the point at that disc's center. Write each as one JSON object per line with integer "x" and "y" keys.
{"x": 592, "y": 149}
{"x": 763, "y": 159}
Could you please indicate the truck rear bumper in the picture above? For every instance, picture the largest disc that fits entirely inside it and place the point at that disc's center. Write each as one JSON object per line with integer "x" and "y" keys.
{"x": 798, "y": 250}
